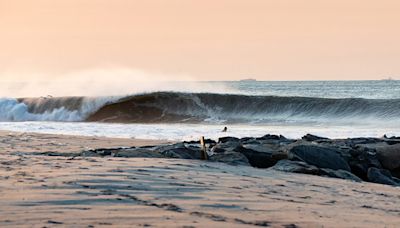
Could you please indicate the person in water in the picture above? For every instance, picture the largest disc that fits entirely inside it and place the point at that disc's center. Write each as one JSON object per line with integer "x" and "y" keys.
{"x": 225, "y": 129}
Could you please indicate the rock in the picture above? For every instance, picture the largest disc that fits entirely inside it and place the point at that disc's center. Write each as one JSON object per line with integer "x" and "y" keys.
{"x": 322, "y": 157}
{"x": 169, "y": 146}
{"x": 182, "y": 153}
{"x": 218, "y": 149}
{"x": 355, "y": 141}
{"x": 295, "y": 167}
{"x": 227, "y": 146}
{"x": 139, "y": 152}
{"x": 179, "y": 150}
{"x": 394, "y": 137}
{"x": 227, "y": 139}
{"x": 249, "y": 140}
{"x": 342, "y": 174}
{"x": 362, "y": 160}
{"x": 231, "y": 158}
{"x": 261, "y": 156}
{"x": 359, "y": 169}
{"x": 262, "y": 148}
{"x": 274, "y": 137}
{"x": 310, "y": 137}
{"x": 207, "y": 141}
{"x": 389, "y": 156}
{"x": 381, "y": 176}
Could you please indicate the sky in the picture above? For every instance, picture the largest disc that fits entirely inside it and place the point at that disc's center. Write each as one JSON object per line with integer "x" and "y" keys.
{"x": 46, "y": 40}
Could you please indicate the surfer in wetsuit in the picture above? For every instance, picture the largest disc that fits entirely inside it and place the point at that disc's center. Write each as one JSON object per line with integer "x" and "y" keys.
{"x": 225, "y": 129}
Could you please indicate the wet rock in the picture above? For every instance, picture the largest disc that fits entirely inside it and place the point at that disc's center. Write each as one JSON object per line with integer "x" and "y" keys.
{"x": 362, "y": 159}
{"x": 207, "y": 141}
{"x": 310, "y": 137}
{"x": 219, "y": 149}
{"x": 182, "y": 153}
{"x": 249, "y": 140}
{"x": 227, "y": 146}
{"x": 228, "y": 139}
{"x": 295, "y": 167}
{"x": 389, "y": 156}
{"x": 382, "y": 176}
{"x": 342, "y": 174}
{"x": 302, "y": 167}
{"x": 261, "y": 156}
{"x": 273, "y": 137}
{"x": 355, "y": 141}
{"x": 232, "y": 158}
{"x": 322, "y": 157}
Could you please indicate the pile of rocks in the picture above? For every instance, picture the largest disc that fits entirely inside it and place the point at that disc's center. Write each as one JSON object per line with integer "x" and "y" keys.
{"x": 359, "y": 159}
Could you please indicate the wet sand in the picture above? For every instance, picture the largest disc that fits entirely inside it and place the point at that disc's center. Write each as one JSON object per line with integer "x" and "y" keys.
{"x": 47, "y": 191}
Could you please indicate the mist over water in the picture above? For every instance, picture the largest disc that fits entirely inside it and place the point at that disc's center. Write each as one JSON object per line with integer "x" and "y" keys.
{"x": 101, "y": 82}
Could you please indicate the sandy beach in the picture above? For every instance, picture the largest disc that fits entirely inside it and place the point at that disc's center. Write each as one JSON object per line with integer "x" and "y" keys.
{"x": 26, "y": 142}
{"x": 58, "y": 191}
{"x": 191, "y": 114}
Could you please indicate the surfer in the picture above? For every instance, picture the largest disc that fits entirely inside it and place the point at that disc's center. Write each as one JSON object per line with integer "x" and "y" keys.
{"x": 225, "y": 129}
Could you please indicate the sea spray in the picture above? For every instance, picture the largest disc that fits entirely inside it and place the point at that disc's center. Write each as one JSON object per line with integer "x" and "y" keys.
{"x": 64, "y": 109}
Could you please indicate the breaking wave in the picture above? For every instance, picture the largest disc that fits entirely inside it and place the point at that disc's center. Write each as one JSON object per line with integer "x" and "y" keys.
{"x": 174, "y": 107}
{"x": 65, "y": 109}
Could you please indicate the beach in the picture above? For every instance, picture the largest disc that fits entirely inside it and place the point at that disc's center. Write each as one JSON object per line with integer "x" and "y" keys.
{"x": 25, "y": 142}
{"x": 196, "y": 114}
{"x": 79, "y": 191}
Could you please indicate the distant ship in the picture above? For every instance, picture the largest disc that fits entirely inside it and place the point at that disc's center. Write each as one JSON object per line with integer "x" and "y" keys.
{"x": 248, "y": 80}
{"x": 388, "y": 79}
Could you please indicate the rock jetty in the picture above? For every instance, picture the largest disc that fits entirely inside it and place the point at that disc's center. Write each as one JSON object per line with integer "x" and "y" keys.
{"x": 374, "y": 160}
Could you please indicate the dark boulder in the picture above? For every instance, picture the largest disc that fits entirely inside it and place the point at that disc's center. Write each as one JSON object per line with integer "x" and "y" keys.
{"x": 273, "y": 137}
{"x": 302, "y": 167}
{"x": 231, "y": 158}
{"x": 310, "y": 137}
{"x": 355, "y": 141}
{"x": 179, "y": 150}
{"x": 394, "y": 137}
{"x": 261, "y": 156}
{"x": 342, "y": 174}
{"x": 249, "y": 140}
{"x": 381, "y": 176}
{"x": 389, "y": 156}
{"x": 183, "y": 153}
{"x": 226, "y": 146}
{"x": 322, "y": 157}
{"x": 362, "y": 160}
{"x": 228, "y": 139}
{"x": 295, "y": 167}
{"x": 207, "y": 141}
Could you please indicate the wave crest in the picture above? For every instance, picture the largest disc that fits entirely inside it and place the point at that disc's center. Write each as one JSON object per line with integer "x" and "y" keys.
{"x": 198, "y": 107}
{"x": 174, "y": 107}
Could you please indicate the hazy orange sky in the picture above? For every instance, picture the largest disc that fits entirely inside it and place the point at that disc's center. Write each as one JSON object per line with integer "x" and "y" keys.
{"x": 206, "y": 40}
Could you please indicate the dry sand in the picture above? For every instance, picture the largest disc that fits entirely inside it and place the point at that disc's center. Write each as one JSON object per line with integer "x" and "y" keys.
{"x": 46, "y": 191}
{"x": 33, "y": 142}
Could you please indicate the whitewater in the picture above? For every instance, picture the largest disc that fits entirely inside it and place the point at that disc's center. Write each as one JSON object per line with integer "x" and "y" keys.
{"x": 333, "y": 109}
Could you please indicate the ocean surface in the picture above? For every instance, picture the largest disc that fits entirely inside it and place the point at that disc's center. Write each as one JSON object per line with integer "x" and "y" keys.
{"x": 335, "y": 109}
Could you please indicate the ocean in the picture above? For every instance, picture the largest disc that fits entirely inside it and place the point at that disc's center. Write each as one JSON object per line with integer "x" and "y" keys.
{"x": 335, "y": 109}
